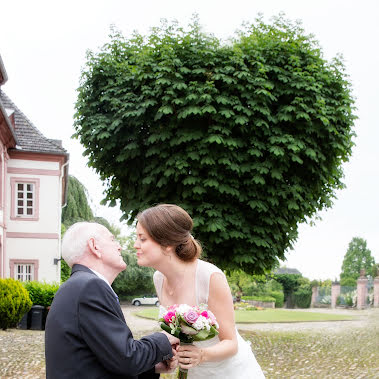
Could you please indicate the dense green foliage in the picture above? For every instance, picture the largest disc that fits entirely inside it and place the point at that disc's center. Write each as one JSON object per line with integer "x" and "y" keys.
{"x": 297, "y": 290}
{"x": 249, "y": 136}
{"x": 41, "y": 293}
{"x": 14, "y": 303}
{"x": 279, "y": 298}
{"x": 290, "y": 282}
{"x": 348, "y": 282}
{"x": 357, "y": 257}
{"x": 259, "y": 298}
{"x": 303, "y": 296}
{"x": 135, "y": 280}
{"x": 257, "y": 286}
{"x": 77, "y": 208}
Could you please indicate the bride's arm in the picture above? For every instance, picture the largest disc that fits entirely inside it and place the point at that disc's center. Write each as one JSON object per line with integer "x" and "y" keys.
{"x": 220, "y": 302}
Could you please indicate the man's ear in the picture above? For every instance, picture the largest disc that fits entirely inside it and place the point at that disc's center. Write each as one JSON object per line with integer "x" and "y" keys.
{"x": 93, "y": 248}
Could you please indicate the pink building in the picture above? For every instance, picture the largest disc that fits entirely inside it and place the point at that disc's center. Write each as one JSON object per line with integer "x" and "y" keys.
{"x": 33, "y": 181}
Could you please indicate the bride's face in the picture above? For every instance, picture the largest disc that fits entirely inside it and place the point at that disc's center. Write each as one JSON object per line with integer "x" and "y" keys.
{"x": 149, "y": 252}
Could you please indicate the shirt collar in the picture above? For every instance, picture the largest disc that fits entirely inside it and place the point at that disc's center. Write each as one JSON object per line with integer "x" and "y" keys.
{"x": 103, "y": 277}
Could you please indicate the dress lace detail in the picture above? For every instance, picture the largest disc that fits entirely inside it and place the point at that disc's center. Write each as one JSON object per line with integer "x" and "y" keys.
{"x": 243, "y": 365}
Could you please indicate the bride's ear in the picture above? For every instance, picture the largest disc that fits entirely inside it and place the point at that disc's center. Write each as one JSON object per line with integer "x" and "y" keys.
{"x": 168, "y": 250}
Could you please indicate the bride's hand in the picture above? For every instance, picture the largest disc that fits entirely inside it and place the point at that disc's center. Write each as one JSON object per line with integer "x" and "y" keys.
{"x": 189, "y": 356}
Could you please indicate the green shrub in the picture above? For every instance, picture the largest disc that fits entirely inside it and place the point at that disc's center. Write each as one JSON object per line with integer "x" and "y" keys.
{"x": 41, "y": 293}
{"x": 259, "y": 298}
{"x": 303, "y": 296}
{"x": 14, "y": 303}
{"x": 279, "y": 298}
{"x": 348, "y": 282}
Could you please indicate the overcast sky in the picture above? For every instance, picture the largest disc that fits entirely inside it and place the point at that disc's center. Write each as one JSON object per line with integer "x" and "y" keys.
{"x": 43, "y": 45}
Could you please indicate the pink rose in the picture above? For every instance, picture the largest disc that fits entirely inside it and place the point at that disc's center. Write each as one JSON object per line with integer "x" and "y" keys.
{"x": 169, "y": 316}
{"x": 191, "y": 316}
{"x": 212, "y": 318}
{"x": 205, "y": 314}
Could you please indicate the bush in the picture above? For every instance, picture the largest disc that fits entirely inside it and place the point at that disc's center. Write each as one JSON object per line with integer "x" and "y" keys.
{"x": 279, "y": 298}
{"x": 348, "y": 282}
{"x": 14, "y": 303}
{"x": 259, "y": 298}
{"x": 303, "y": 296}
{"x": 41, "y": 293}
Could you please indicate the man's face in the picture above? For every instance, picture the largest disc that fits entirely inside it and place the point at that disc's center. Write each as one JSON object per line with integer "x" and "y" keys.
{"x": 110, "y": 250}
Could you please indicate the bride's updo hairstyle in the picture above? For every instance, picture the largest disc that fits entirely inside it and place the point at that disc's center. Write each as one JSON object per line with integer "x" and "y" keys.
{"x": 170, "y": 225}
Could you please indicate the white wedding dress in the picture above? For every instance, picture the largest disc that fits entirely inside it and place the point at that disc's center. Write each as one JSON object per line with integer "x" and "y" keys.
{"x": 242, "y": 365}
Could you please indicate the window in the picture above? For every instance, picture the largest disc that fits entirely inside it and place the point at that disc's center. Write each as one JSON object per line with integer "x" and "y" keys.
{"x": 24, "y": 272}
{"x": 25, "y": 199}
{"x": 24, "y": 269}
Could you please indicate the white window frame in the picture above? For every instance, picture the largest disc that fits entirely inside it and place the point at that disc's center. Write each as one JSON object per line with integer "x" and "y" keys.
{"x": 24, "y": 272}
{"x": 31, "y": 272}
{"x": 33, "y": 194}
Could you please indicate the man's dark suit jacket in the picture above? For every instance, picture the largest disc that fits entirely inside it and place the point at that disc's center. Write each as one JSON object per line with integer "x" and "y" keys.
{"x": 87, "y": 337}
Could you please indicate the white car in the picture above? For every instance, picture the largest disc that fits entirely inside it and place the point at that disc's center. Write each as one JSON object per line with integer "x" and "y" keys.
{"x": 146, "y": 300}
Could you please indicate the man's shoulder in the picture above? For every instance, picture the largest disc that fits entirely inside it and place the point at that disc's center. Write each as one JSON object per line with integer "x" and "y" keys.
{"x": 80, "y": 278}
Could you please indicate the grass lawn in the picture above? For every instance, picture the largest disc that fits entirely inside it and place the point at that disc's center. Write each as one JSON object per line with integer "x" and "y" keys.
{"x": 267, "y": 315}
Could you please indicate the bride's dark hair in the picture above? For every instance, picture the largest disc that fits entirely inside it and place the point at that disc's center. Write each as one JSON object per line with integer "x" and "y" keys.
{"x": 171, "y": 225}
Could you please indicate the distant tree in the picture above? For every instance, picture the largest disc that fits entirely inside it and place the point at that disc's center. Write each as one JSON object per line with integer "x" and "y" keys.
{"x": 348, "y": 282}
{"x": 239, "y": 282}
{"x": 77, "y": 208}
{"x": 249, "y": 137}
{"x": 290, "y": 283}
{"x": 65, "y": 268}
{"x": 135, "y": 280}
{"x": 357, "y": 257}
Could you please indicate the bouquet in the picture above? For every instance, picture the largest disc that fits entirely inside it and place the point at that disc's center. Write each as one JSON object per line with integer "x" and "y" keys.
{"x": 189, "y": 324}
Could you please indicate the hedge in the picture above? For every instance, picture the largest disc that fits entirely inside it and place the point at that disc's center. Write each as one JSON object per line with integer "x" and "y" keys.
{"x": 41, "y": 293}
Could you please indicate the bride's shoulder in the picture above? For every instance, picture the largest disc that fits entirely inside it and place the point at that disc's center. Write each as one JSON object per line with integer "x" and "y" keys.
{"x": 210, "y": 267}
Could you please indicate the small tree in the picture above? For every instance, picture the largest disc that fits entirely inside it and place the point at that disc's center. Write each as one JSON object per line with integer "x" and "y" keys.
{"x": 357, "y": 257}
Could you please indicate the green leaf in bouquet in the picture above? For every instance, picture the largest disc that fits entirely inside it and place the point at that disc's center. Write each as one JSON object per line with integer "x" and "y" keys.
{"x": 202, "y": 335}
{"x": 165, "y": 327}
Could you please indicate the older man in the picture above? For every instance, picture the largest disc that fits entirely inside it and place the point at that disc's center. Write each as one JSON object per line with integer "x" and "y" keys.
{"x": 86, "y": 334}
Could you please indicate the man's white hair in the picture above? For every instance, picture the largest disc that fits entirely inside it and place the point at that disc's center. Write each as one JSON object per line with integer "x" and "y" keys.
{"x": 74, "y": 242}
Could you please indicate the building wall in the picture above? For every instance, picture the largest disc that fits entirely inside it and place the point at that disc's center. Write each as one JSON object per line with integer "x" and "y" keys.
{"x": 39, "y": 251}
{"x": 34, "y": 240}
{"x": 2, "y": 220}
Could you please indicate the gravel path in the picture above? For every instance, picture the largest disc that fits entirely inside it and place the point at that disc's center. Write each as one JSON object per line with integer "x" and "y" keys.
{"x": 339, "y": 349}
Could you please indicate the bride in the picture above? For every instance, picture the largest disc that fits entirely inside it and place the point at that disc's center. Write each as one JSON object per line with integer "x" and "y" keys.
{"x": 164, "y": 242}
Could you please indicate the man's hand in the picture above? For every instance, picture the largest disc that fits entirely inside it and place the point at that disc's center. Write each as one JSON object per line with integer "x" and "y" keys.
{"x": 173, "y": 340}
{"x": 166, "y": 366}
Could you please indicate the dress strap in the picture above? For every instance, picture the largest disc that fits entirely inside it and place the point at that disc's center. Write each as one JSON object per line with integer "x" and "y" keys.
{"x": 158, "y": 283}
{"x": 204, "y": 272}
